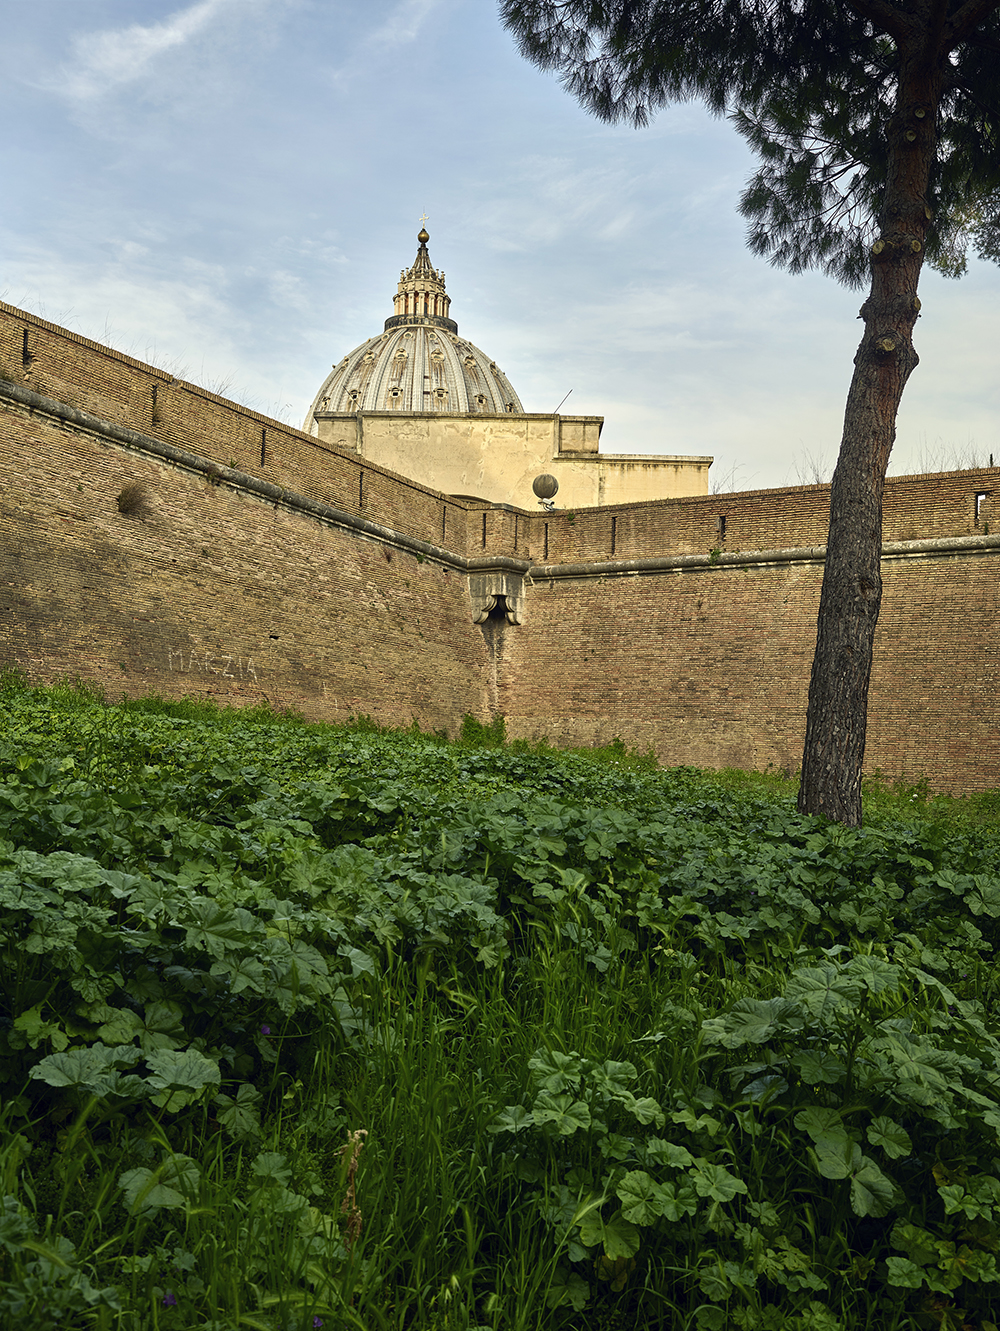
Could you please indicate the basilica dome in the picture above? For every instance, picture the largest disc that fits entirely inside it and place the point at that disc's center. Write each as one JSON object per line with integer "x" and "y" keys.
{"x": 419, "y": 363}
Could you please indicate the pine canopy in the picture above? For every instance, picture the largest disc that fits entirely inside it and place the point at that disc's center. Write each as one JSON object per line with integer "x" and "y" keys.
{"x": 812, "y": 85}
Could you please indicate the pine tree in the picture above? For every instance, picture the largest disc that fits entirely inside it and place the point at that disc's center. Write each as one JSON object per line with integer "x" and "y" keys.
{"x": 877, "y": 126}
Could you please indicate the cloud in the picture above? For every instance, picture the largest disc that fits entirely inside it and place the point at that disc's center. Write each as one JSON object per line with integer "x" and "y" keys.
{"x": 404, "y": 23}
{"x": 402, "y": 27}
{"x": 105, "y": 61}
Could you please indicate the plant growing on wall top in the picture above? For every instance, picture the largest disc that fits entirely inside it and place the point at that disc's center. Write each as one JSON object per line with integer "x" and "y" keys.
{"x": 133, "y": 501}
{"x": 876, "y": 125}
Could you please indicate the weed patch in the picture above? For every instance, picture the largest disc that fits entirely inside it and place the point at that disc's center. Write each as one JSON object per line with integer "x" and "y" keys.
{"x": 310, "y": 1026}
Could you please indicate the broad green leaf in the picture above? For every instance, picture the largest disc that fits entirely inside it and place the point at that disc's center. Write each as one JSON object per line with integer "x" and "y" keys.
{"x": 37, "y": 1030}
{"x": 926, "y": 1068}
{"x": 697, "y": 1122}
{"x": 564, "y": 1113}
{"x": 272, "y": 1168}
{"x": 163, "y": 1026}
{"x": 719, "y": 1279}
{"x": 612, "y": 1079}
{"x": 621, "y": 1238}
{"x": 242, "y": 973}
{"x": 240, "y": 1117}
{"x": 172, "y": 1186}
{"x": 711, "y": 1318}
{"x": 514, "y": 1118}
{"x": 893, "y": 1139}
{"x": 875, "y": 974}
{"x": 979, "y": 1265}
{"x": 615, "y": 1146}
{"x": 660, "y": 1152}
{"x": 643, "y": 1199}
{"x": 94, "y": 1069}
{"x": 218, "y": 928}
{"x": 181, "y": 1076}
{"x": 837, "y": 1159}
{"x": 823, "y": 990}
{"x": 715, "y": 1181}
{"x": 617, "y": 1236}
{"x": 818, "y": 1317}
{"x": 646, "y": 1110}
{"x": 678, "y": 1201}
{"x": 871, "y": 1192}
{"x": 917, "y": 1243}
{"x": 361, "y": 962}
{"x": 155, "y": 898}
{"x": 567, "y": 1290}
{"x": 978, "y": 1199}
{"x": 751, "y": 1021}
{"x": 823, "y": 1125}
{"x": 279, "y": 1200}
{"x": 954, "y": 1267}
{"x": 818, "y": 1065}
{"x": 72, "y": 873}
{"x": 554, "y": 1071}
{"x": 50, "y": 933}
{"x": 122, "y": 1027}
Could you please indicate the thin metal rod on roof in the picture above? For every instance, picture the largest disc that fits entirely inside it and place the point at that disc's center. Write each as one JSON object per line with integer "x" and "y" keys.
{"x": 560, "y": 404}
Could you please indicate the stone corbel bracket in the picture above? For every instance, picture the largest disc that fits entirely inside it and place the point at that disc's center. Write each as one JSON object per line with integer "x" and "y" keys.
{"x": 493, "y": 589}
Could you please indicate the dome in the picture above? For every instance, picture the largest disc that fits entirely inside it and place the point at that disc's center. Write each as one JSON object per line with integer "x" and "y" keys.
{"x": 419, "y": 363}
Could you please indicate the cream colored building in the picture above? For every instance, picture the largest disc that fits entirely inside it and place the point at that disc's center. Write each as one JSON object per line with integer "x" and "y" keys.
{"x": 426, "y": 403}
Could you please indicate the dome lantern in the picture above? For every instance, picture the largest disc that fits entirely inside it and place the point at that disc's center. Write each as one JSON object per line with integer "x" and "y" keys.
{"x": 421, "y": 297}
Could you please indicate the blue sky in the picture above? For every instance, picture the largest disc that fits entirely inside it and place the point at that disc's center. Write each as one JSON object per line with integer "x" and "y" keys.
{"x": 229, "y": 188}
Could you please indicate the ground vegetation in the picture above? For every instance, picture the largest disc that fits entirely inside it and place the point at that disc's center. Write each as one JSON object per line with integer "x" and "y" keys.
{"x": 312, "y": 1027}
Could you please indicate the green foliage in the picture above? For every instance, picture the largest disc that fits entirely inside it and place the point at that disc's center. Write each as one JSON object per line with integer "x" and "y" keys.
{"x": 815, "y": 91}
{"x": 308, "y": 1023}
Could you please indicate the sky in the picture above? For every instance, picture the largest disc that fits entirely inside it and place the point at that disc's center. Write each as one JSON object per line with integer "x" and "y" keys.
{"x": 229, "y": 188}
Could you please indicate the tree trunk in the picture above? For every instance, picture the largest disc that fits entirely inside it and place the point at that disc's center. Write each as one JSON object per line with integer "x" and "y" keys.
{"x": 852, "y": 580}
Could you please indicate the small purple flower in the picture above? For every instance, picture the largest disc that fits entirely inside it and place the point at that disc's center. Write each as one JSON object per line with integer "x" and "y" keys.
{"x": 265, "y": 1030}
{"x": 317, "y": 1321}
{"x": 170, "y": 1299}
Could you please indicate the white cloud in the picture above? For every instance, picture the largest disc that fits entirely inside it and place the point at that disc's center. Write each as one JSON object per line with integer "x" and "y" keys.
{"x": 402, "y": 27}
{"x": 404, "y": 23}
{"x": 104, "y": 61}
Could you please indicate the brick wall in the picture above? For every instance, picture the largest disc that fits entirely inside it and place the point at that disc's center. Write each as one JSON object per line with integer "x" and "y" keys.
{"x": 204, "y": 589}
{"x": 207, "y": 587}
{"x": 710, "y": 667}
{"x": 915, "y": 508}
{"x": 116, "y": 388}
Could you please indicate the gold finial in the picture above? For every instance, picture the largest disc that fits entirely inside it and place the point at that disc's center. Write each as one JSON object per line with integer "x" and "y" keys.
{"x": 422, "y": 235}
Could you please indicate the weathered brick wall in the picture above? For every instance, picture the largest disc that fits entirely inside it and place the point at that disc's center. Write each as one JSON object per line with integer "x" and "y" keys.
{"x": 209, "y": 589}
{"x": 116, "y": 388}
{"x": 706, "y": 667}
{"x": 710, "y": 667}
{"x": 915, "y": 508}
